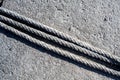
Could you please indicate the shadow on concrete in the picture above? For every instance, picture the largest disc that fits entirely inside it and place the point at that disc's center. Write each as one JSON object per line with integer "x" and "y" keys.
{"x": 11, "y": 35}
{"x": 1, "y": 2}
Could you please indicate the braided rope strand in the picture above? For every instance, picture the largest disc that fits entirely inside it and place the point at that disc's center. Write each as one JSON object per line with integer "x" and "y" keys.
{"x": 66, "y": 37}
{"x": 61, "y": 52}
{"x": 54, "y": 39}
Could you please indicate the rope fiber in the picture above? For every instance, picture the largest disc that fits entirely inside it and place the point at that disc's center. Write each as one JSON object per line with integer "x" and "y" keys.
{"x": 12, "y": 22}
{"x": 61, "y": 52}
{"x": 54, "y": 32}
{"x": 55, "y": 39}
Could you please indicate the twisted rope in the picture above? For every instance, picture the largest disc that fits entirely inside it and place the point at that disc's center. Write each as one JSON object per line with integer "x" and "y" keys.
{"x": 54, "y": 39}
{"x": 61, "y": 35}
{"x": 60, "y": 51}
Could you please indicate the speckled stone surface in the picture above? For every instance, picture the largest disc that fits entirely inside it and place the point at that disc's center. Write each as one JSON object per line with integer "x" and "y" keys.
{"x": 94, "y": 21}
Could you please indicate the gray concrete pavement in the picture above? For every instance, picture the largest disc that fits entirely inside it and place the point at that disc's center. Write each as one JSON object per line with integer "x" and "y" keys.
{"x": 94, "y": 21}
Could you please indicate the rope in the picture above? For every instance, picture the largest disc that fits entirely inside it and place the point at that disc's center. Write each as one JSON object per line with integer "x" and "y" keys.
{"x": 60, "y": 51}
{"x": 54, "y": 39}
{"x": 61, "y": 35}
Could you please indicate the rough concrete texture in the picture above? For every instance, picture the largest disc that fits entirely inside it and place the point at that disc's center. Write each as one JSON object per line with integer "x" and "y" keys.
{"x": 94, "y": 21}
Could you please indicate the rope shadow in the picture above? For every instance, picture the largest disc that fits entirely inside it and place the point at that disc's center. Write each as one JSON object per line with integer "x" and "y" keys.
{"x": 1, "y": 2}
{"x": 11, "y": 35}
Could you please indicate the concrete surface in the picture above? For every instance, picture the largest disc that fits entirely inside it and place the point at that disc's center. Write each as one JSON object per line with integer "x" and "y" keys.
{"x": 94, "y": 21}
